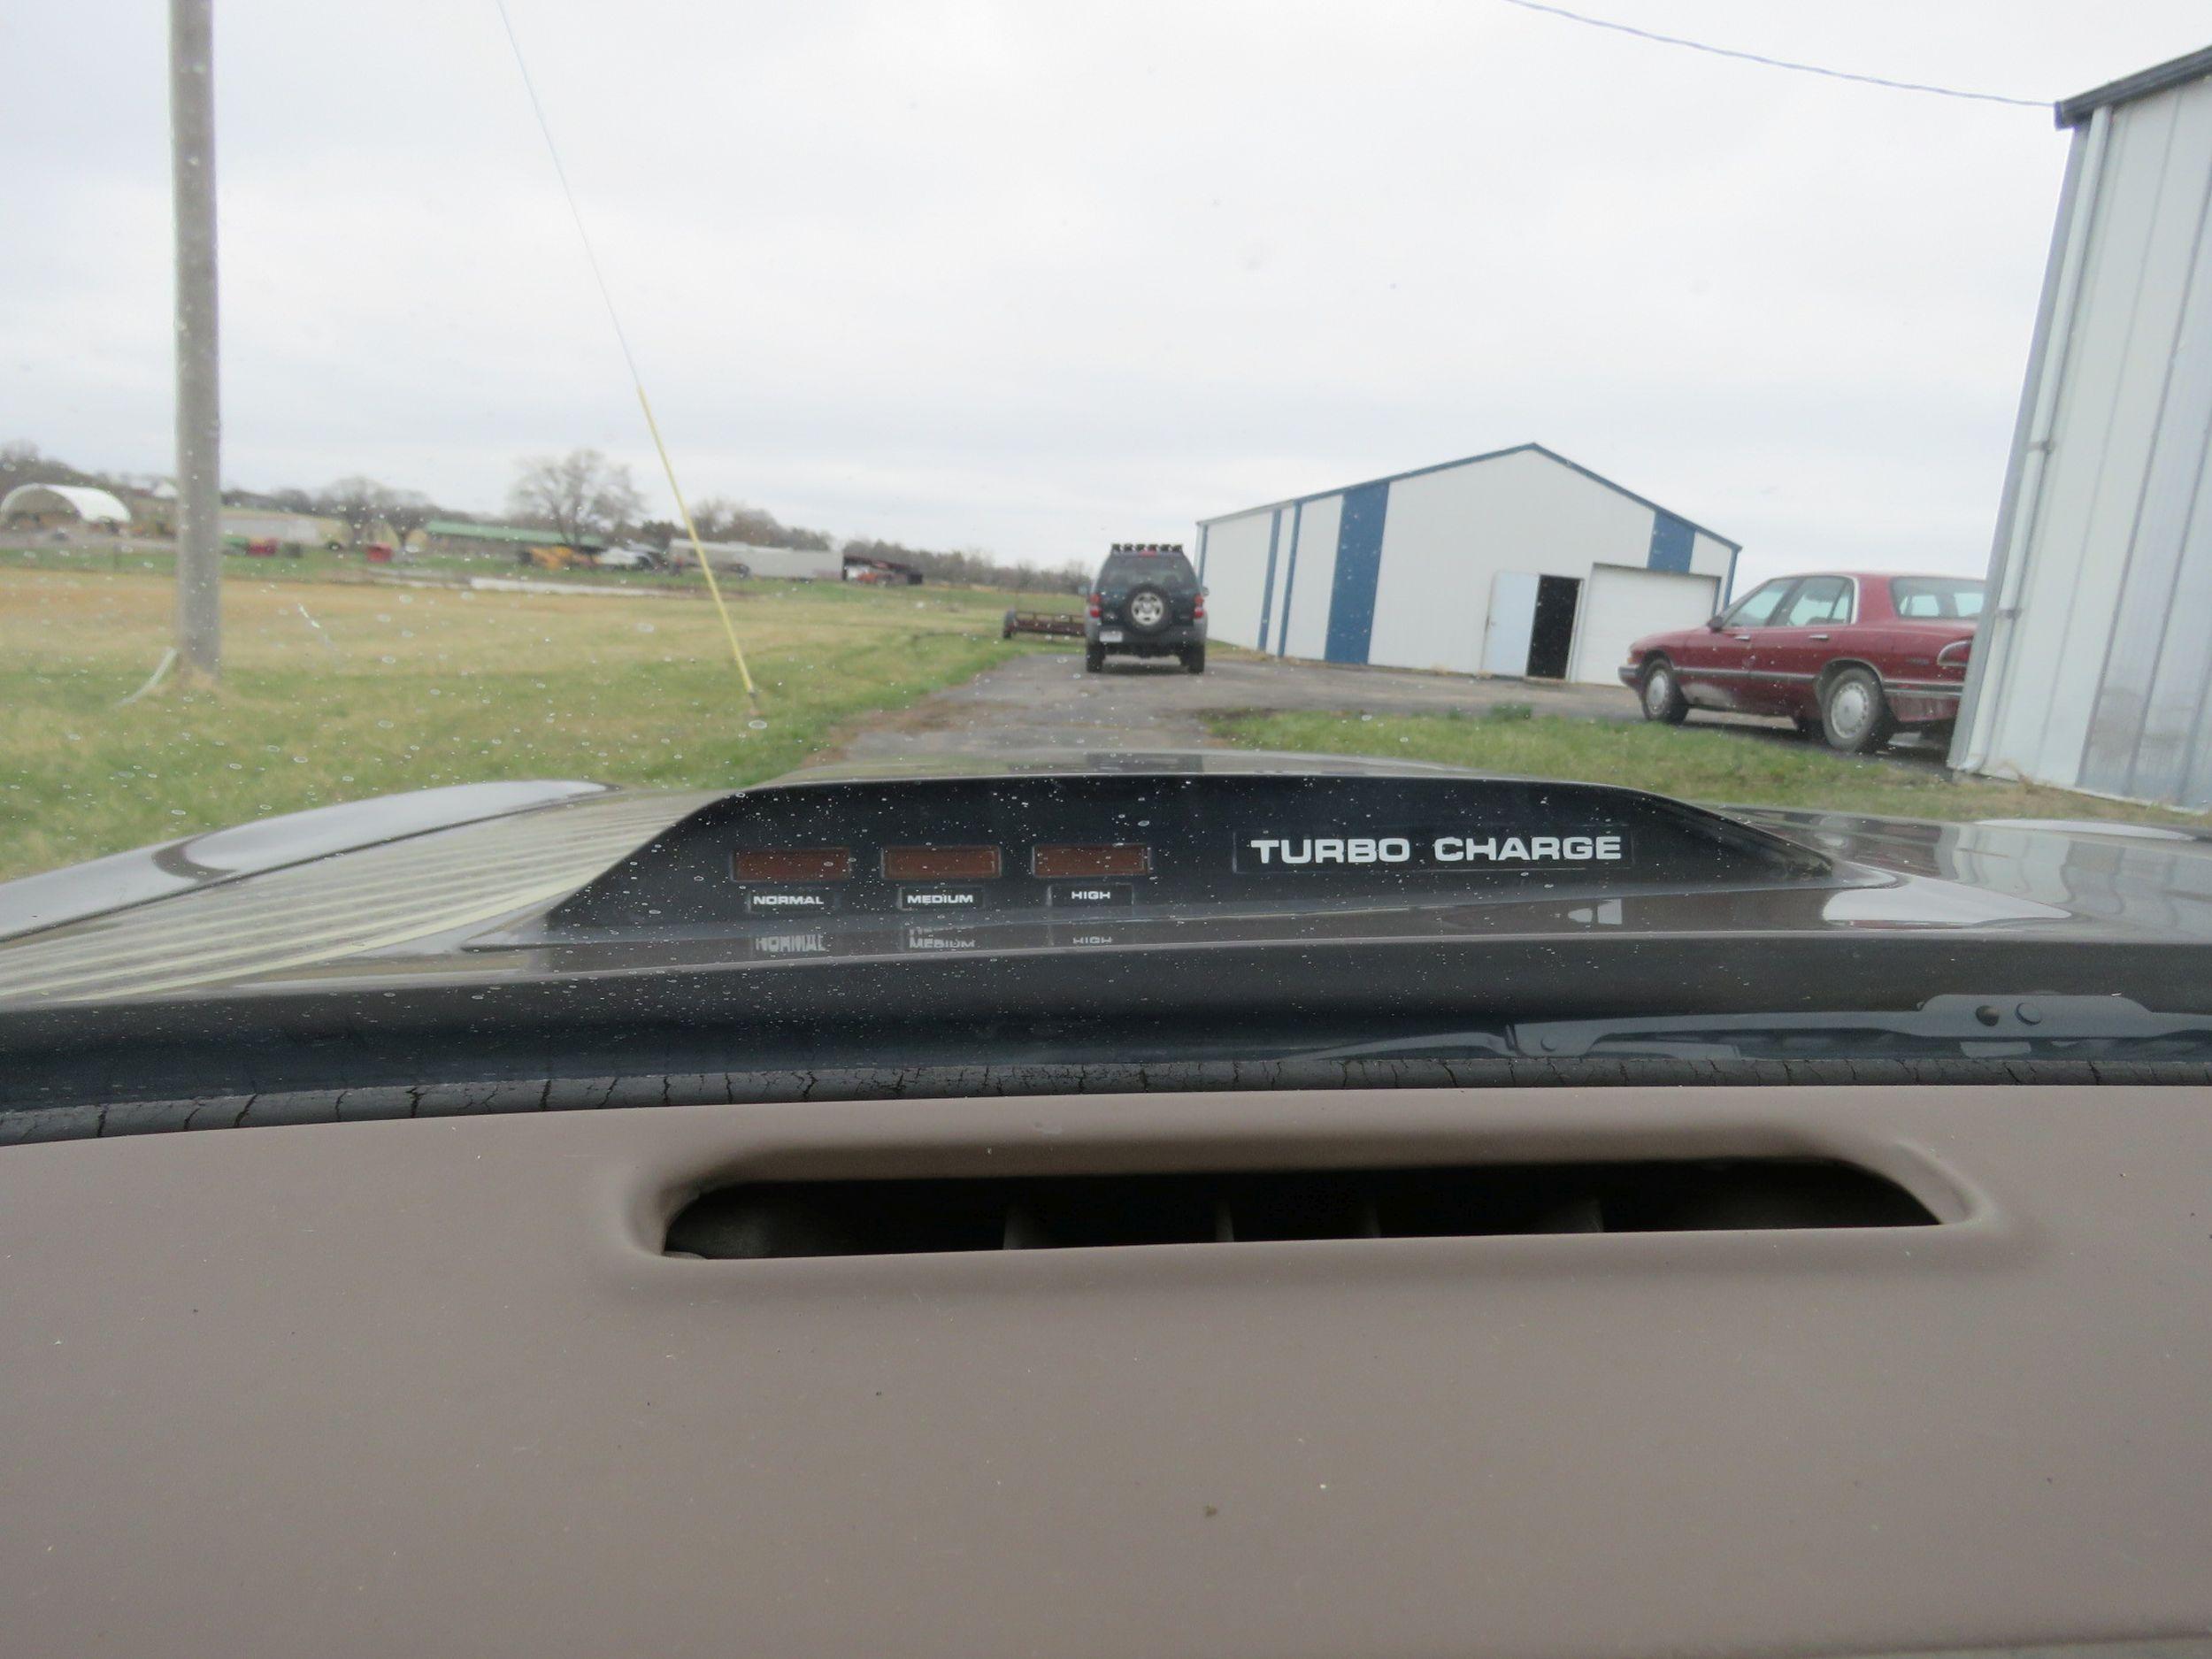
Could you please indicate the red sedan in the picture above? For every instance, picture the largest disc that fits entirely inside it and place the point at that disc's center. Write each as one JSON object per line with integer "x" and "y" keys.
{"x": 1855, "y": 657}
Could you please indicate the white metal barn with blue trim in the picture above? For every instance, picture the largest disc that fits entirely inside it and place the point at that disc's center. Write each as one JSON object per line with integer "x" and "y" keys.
{"x": 1518, "y": 563}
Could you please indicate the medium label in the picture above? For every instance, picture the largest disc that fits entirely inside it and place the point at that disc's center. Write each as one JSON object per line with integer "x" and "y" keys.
{"x": 943, "y": 900}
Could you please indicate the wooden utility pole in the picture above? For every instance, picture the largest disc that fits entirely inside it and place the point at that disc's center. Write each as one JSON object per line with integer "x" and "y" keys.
{"x": 199, "y": 414}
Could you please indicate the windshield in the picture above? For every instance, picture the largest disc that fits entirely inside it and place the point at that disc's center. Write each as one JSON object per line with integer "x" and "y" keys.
{"x": 674, "y": 400}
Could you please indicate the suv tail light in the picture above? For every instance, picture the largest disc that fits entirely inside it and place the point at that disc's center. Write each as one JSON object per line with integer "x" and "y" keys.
{"x": 1198, "y": 609}
{"x": 1095, "y": 599}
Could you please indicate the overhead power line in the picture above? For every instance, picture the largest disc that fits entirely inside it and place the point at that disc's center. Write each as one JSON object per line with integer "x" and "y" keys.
{"x": 637, "y": 380}
{"x": 1777, "y": 62}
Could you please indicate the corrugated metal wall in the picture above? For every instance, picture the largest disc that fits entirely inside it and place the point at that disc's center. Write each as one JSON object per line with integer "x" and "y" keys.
{"x": 2095, "y": 669}
{"x": 1400, "y": 571}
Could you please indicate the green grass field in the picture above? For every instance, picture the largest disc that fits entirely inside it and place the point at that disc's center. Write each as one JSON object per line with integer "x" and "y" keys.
{"x": 317, "y": 565}
{"x": 334, "y": 690}
{"x": 1720, "y": 767}
{"x": 313, "y": 564}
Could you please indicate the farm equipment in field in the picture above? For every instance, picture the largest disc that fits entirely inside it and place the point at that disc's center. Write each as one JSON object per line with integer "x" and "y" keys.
{"x": 554, "y": 557}
{"x": 1056, "y": 623}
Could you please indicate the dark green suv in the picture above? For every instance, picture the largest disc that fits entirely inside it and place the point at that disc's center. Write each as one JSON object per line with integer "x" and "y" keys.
{"x": 1146, "y": 602}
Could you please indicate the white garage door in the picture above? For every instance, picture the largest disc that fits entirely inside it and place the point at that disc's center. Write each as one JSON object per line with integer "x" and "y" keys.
{"x": 1621, "y": 603}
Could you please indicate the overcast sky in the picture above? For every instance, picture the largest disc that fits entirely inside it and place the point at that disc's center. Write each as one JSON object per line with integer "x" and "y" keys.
{"x": 1036, "y": 276}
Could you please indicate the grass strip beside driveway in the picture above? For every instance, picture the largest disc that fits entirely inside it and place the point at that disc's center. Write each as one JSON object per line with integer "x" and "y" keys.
{"x": 1713, "y": 764}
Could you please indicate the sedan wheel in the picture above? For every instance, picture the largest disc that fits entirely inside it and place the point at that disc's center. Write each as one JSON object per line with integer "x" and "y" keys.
{"x": 1855, "y": 714}
{"x": 1663, "y": 697}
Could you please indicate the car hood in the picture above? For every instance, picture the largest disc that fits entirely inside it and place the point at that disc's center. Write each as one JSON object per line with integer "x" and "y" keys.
{"x": 460, "y": 885}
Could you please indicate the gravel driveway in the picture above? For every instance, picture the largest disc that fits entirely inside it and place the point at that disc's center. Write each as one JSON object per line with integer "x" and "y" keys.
{"x": 1047, "y": 701}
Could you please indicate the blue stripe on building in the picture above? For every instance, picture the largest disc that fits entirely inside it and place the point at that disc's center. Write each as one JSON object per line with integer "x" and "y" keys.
{"x": 1267, "y": 582}
{"x": 1672, "y": 539}
{"x": 1359, "y": 538}
{"x": 1201, "y": 553}
{"x": 1290, "y": 582}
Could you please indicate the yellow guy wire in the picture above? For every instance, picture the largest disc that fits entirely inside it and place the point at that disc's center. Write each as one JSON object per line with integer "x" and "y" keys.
{"x": 706, "y": 567}
{"x": 606, "y": 296}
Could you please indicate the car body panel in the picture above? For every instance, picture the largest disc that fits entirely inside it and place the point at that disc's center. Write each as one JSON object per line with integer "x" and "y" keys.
{"x": 1711, "y": 664}
{"x": 1779, "y": 667}
{"x": 1818, "y": 623}
{"x": 76, "y": 892}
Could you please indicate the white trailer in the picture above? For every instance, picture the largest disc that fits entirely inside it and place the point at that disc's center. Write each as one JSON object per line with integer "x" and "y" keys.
{"x": 806, "y": 565}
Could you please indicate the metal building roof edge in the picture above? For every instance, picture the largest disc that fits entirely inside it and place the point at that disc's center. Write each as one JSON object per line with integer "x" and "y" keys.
{"x": 2158, "y": 78}
{"x": 1470, "y": 460}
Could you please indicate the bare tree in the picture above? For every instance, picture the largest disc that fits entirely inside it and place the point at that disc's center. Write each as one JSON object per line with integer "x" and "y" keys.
{"x": 578, "y": 495}
{"x": 721, "y": 520}
{"x": 407, "y": 511}
{"x": 358, "y": 500}
{"x": 22, "y": 462}
{"x": 974, "y": 565}
{"x": 365, "y": 503}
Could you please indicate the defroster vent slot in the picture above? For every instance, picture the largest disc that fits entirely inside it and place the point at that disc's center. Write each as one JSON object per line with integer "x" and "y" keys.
{"x": 769, "y": 1219}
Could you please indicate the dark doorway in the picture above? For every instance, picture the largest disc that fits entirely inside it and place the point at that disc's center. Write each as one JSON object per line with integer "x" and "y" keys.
{"x": 1552, "y": 633}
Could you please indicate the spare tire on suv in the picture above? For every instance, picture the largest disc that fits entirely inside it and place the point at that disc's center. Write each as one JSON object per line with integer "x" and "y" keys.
{"x": 1149, "y": 609}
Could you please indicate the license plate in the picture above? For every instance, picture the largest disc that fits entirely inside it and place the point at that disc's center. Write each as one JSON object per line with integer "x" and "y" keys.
{"x": 1109, "y": 636}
